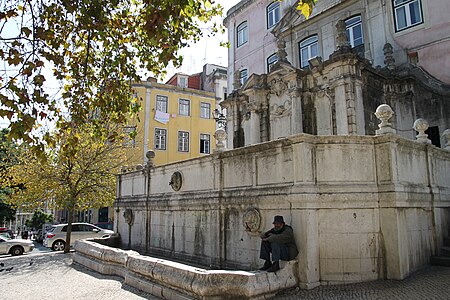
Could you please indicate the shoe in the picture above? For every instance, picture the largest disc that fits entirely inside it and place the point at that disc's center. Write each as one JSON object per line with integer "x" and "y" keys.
{"x": 275, "y": 267}
{"x": 266, "y": 266}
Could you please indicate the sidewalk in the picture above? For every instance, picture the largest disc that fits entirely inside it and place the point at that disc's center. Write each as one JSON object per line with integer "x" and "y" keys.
{"x": 52, "y": 276}
{"x": 430, "y": 283}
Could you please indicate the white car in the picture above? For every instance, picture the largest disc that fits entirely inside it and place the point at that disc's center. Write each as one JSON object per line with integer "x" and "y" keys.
{"x": 15, "y": 246}
{"x": 55, "y": 237}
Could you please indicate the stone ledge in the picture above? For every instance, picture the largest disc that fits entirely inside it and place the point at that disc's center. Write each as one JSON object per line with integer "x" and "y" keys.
{"x": 171, "y": 280}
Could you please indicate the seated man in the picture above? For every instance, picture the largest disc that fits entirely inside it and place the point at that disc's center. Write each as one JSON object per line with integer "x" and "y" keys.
{"x": 280, "y": 242}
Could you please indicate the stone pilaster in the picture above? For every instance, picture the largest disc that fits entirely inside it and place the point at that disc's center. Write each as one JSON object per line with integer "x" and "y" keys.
{"x": 255, "y": 131}
{"x": 348, "y": 95}
{"x": 296, "y": 115}
{"x": 395, "y": 236}
{"x": 307, "y": 229}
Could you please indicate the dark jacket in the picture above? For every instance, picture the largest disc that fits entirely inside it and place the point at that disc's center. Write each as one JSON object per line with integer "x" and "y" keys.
{"x": 283, "y": 236}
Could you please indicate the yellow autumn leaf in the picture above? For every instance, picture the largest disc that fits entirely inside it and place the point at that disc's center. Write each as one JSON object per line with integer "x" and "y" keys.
{"x": 305, "y": 8}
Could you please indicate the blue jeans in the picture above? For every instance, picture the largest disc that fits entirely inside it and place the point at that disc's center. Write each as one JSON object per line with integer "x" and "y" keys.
{"x": 279, "y": 251}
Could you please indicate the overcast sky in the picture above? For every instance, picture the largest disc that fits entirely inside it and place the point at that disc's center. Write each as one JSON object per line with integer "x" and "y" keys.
{"x": 207, "y": 50}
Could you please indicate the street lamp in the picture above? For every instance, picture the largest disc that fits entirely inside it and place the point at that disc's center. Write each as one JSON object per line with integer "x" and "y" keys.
{"x": 220, "y": 119}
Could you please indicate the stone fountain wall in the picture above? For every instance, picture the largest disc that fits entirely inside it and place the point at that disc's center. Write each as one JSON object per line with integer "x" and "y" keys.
{"x": 362, "y": 207}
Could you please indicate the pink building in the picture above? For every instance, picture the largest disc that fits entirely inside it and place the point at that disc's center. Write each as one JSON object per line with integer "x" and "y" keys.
{"x": 400, "y": 56}
{"x": 418, "y": 30}
{"x": 252, "y": 44}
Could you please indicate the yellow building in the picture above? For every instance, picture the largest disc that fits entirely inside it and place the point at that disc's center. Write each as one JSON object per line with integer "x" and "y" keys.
{"x": 175, "y": 122}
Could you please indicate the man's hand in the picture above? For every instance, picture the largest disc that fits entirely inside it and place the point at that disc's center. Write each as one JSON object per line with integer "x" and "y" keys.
{"x": 266, "y": 237}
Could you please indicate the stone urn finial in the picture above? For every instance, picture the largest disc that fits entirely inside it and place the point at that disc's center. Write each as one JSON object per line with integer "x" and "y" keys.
{"x": 446, "y": 135}
{"x": 150, "y": 155}
{"x": 421, "y": 125}
{"x": 384, "y": 112}
{"x": 221, "y": 136}
{"x": 342, "y": 43}
{"x": 389, "y": 60}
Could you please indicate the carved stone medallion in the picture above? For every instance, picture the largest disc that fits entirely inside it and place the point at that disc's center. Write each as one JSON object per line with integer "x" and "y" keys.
{"x": 176, "y": 181}
{"x": 252, "y": 219}
{"x": 128, "y": 216}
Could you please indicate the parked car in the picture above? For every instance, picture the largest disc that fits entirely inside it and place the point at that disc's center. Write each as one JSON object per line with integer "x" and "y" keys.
{"x": 55, "y": 237}
{"x": 15, "y": 246}
{"x": 6, "y": 232}
{"x": 105, "y": 225}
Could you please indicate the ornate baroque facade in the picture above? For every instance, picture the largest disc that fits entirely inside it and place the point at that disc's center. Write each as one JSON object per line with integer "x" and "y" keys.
{"x": 360, "y": 55}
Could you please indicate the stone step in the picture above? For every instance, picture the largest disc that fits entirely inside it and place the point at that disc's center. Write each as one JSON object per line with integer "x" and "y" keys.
{"x": 445, "y": 251}
{"x": 447, "y": 242}
{"x": 440, "y": 261}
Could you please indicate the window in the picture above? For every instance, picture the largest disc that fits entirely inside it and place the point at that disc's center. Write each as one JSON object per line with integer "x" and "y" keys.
{"x": 87, "y": 228}
{"x": 224, "y": 93}
{"x": 243, "y": 74}
{"x": 182, "y": 82}
{"x": 309, "y": 48}
{"x": 354, "y": 31}
{"x": 273, "y": 14}
{"x": 160, "y": 139}
{"x": 242, "y": 34}
{"x": 183, "y": 107}
{"x": 183, "y": 141}
{"x": 407, "y": 13}
{"x": 204, "y": 143}
{"x": 271, "y": 60}
{"x": 205, "y": 110}
{"x": 161, "y": 103}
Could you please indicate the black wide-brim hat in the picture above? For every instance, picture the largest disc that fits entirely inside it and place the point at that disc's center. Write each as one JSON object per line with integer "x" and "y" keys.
{"x": 278, "y": 219}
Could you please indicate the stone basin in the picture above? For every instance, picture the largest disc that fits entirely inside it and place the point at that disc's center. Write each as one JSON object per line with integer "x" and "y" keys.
{"x": 172, "y": 280}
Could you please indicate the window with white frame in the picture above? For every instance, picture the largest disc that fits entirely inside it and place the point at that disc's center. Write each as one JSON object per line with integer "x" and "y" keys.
{"x": 160, "y": 139}
{"x": 271, "y": 60}
{"x": 273, "y": 14}
{"x": 183, "y": 141}
{"x": 205, "y": 110}
{"x": 183, "y": 107}
{"x": 353, "y": 26}
{"x": 161, "y": 103}
{"x": 242, "y": 33}
{"x": 407, "y": 13}
{"x": 182, "y": 82}
{"x": 243, "y": 75}
{"x": 309, "y": 48}
{"x": 205, "y": 143}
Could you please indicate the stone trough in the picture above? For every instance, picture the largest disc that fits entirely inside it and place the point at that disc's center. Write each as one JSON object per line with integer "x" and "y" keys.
{"x": 171, "y": 280}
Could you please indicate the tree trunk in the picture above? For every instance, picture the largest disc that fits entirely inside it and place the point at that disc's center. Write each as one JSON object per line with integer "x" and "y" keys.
{"x": 69, "y": 231}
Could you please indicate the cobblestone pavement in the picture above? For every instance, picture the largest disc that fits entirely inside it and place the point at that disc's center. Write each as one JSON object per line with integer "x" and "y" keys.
{"x": 430, "y": 283}
{"x": 53, "y": 276}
